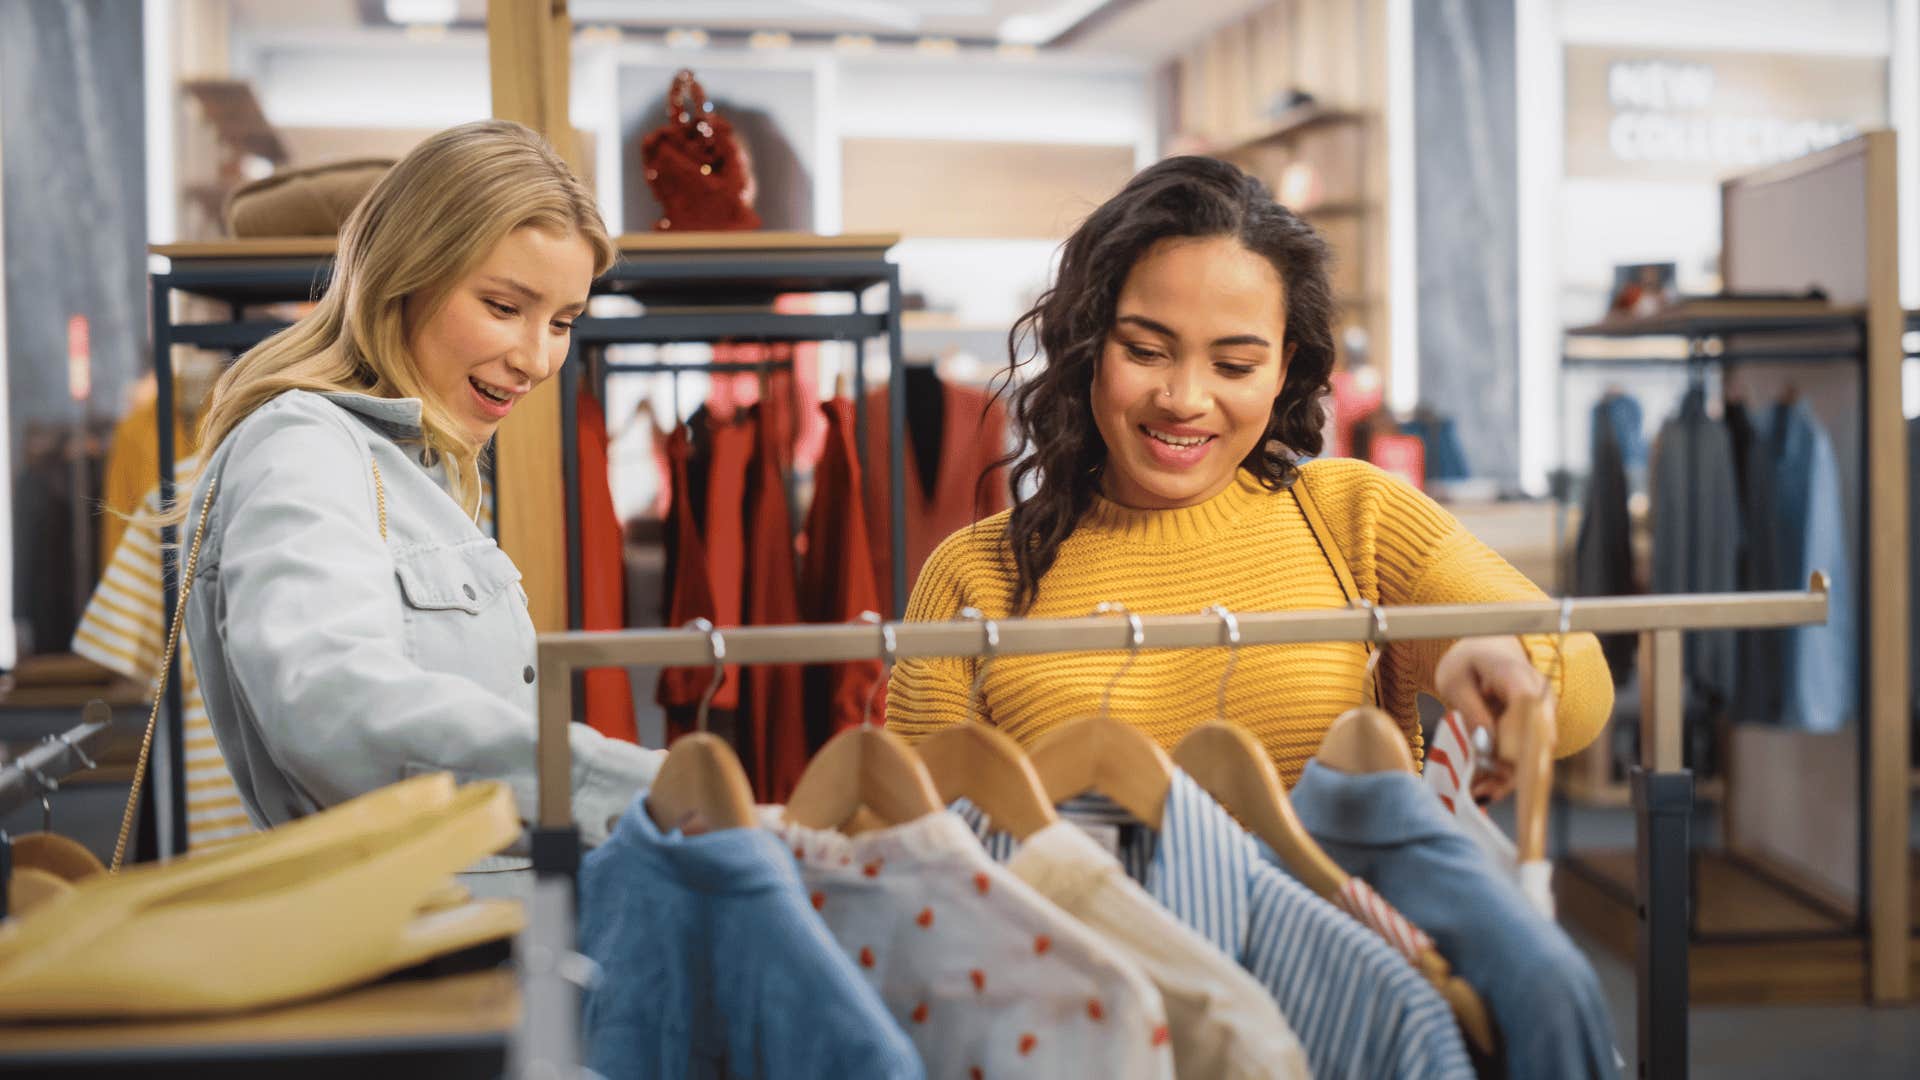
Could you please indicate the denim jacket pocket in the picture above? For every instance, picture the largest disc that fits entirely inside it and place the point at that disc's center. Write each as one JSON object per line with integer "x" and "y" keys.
{"x": 454, "y": 577}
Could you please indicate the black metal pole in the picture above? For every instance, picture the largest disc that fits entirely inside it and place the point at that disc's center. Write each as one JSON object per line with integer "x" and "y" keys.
{"x": 1663, "y": 806}
{"x": 174, "y": 746}
{"x": 896, "y": 447}
{"x": 860, "y": 418}
{"x": 570, "y": 476}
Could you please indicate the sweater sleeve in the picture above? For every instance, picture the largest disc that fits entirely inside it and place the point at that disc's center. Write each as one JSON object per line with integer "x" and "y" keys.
{"x": 930, "y": 693}
{"x": 1417, "y": 553}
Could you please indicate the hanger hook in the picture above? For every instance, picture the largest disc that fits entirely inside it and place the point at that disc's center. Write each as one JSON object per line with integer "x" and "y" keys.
{"x": 989, "y": 649}
{"x": 1560, "y": 640}
{"x": 1230, "y": 637}
{"x": 889, "y": 653}
{"x": 1136, "y": 634}
{"x": 47, "y": 785}
{"x": 717, "y": 651}
{"x": 65, "y": 739}
{"x": 1376, "y": 641}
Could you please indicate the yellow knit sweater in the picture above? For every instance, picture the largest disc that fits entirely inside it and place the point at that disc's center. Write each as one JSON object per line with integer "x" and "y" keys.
{"x": 1251, "y": 550}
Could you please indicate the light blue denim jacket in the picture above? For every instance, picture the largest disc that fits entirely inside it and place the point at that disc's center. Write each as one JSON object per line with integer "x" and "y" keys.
{"x": 334, "y": 662}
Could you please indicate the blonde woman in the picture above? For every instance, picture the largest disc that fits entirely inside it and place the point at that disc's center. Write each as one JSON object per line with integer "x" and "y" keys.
{"x": 351, "y": 623}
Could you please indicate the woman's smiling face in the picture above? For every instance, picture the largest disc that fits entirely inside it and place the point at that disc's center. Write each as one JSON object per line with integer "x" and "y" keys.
{"x": 504, "y": 328}
{"x": 1185, "y": 385}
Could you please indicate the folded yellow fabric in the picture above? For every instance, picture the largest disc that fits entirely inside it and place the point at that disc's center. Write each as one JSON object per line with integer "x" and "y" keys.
{"x": 312, "y": 907}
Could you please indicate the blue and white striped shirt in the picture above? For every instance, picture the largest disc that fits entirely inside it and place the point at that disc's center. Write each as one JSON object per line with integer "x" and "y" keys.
{"x": 1359, "y": 1008}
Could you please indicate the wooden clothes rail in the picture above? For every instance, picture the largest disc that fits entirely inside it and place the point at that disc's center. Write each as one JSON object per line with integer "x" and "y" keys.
{"x": 1662, "y": 788}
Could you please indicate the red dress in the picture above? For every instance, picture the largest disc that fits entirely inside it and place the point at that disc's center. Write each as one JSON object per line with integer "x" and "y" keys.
{"x": 973, "y": 437}
{"x": 837, "y": 580}
{"x": 603, "y": 575}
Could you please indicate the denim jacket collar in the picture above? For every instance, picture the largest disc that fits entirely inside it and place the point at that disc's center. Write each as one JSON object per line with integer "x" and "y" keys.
{"x": 396, "y": 417}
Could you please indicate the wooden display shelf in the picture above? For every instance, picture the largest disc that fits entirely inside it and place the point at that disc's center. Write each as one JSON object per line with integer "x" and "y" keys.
{"x": 1757, "y": 940}
{"x": 1288, "y": 124}
{"x": 311, "y": 247}
{"x": 1726, "y": 316}
{"x": 476, "y": 1010}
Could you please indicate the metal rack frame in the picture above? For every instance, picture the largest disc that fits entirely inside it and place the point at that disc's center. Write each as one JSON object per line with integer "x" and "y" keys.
{"x": 736, "y": 279}
{"x": 1663, "y": 789}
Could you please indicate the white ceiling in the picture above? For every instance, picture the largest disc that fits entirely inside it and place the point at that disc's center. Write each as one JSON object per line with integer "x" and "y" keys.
{"x": 1149, "y": 30}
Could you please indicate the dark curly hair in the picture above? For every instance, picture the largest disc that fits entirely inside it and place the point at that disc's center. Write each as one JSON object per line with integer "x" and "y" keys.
{"x": 1053, "y": 413}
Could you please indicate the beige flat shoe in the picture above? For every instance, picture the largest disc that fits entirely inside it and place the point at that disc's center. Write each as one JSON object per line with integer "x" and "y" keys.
{"x": 327, "y": 908}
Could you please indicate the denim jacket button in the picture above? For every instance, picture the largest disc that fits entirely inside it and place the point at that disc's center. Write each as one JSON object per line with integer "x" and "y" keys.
{"x": 528, "y": 673}
{"x": 468, "y": 589}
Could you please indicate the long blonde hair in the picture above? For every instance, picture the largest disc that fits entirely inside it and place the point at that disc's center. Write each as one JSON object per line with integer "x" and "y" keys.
{"x": 427, "y": 224}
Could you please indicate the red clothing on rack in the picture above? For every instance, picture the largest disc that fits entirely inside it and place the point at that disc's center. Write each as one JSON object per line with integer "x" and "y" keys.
{"x": 692, "y": 589}
{"x": 972, "y": 439}
{"x": 603, "y": 576}
{"x": 775, "y": 692}
{"x": 837, "y": 580}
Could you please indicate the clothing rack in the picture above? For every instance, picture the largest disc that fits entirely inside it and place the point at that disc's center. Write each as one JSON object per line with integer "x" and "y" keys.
{"x": 719, "y": 295}
{"x": 1825, "y": 221}
{"x": 1663, "y": 789}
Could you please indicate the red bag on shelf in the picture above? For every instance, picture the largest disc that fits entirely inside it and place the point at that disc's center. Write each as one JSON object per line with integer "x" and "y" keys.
{"x": 696, "y": 166}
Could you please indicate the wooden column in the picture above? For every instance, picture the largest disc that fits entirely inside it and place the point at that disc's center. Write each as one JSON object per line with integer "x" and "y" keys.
{"x": 1888, "y": 776}
{"x": 528, "y": 51}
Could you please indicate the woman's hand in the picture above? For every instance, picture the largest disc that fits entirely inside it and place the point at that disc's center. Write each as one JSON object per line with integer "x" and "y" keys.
{"x": 1480, "y": 677}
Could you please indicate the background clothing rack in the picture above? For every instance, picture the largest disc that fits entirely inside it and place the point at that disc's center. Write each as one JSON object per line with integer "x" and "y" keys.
{"x": 1842, "y": 923}
{"x": 1663, "y": 789}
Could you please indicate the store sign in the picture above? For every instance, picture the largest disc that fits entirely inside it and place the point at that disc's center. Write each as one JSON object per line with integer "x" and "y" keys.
{"x": 1655, "y": 114}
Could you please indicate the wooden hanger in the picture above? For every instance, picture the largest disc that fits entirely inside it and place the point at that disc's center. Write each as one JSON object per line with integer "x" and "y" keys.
{"x": 975, "y": 761}
{"x": 1528, "y": 726}
{"x": 1107, "y": 756}
{"x": 1365, "y": 740}
{"x": 1527, "y": 734}
{"x": 869, "y": 768}
{"x": 701, "y": 787}
{"x": 866, "y": 767}
{"x": 61, "y": 856}
{"x": 1230, "y": 765}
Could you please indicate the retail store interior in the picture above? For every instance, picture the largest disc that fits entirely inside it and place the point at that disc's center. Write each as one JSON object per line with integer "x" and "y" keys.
{"x": 1629, "y": 289}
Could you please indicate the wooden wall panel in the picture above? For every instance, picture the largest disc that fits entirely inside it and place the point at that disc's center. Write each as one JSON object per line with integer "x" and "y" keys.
{"x": 525, "y": 43}
{"x": 950, "y": 188}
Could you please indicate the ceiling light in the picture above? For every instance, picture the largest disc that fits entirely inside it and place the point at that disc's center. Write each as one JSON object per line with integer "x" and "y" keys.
{"x": 602, "y": 34}
{"x": 854, "y": 43}
{"x": 1040, "y": 27}
{"x": 769, "y": 39}
{"x": 409, "y": 12}
{"x": 686, "y": 39}
{"x": 937, "y": 46}
{"x": 1016, "y": 51}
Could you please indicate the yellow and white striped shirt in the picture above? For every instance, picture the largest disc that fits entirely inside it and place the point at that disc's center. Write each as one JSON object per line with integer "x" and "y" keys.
{"x": 124, "y": 629}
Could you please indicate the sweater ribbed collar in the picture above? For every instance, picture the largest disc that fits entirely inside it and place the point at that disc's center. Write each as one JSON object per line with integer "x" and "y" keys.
{"x": 1188, "y": 525}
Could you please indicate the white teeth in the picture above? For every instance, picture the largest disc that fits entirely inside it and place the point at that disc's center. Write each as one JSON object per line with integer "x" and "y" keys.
{"x": 488, "y": 392}
{"x": 1183, "y": 442}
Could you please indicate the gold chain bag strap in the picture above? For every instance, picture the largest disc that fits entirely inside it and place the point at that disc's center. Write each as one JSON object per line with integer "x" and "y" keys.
{"x": 173, "y": 640}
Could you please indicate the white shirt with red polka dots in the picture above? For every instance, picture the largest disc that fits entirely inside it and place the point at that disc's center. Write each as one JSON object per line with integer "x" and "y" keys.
{"x": 989, "y": 979}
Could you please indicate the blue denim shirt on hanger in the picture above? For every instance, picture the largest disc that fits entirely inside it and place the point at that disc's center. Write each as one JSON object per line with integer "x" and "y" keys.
{"x": 1389, "y": 830}
{"x": 714, "y": 965}
{"x": 1821, "y": 672}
